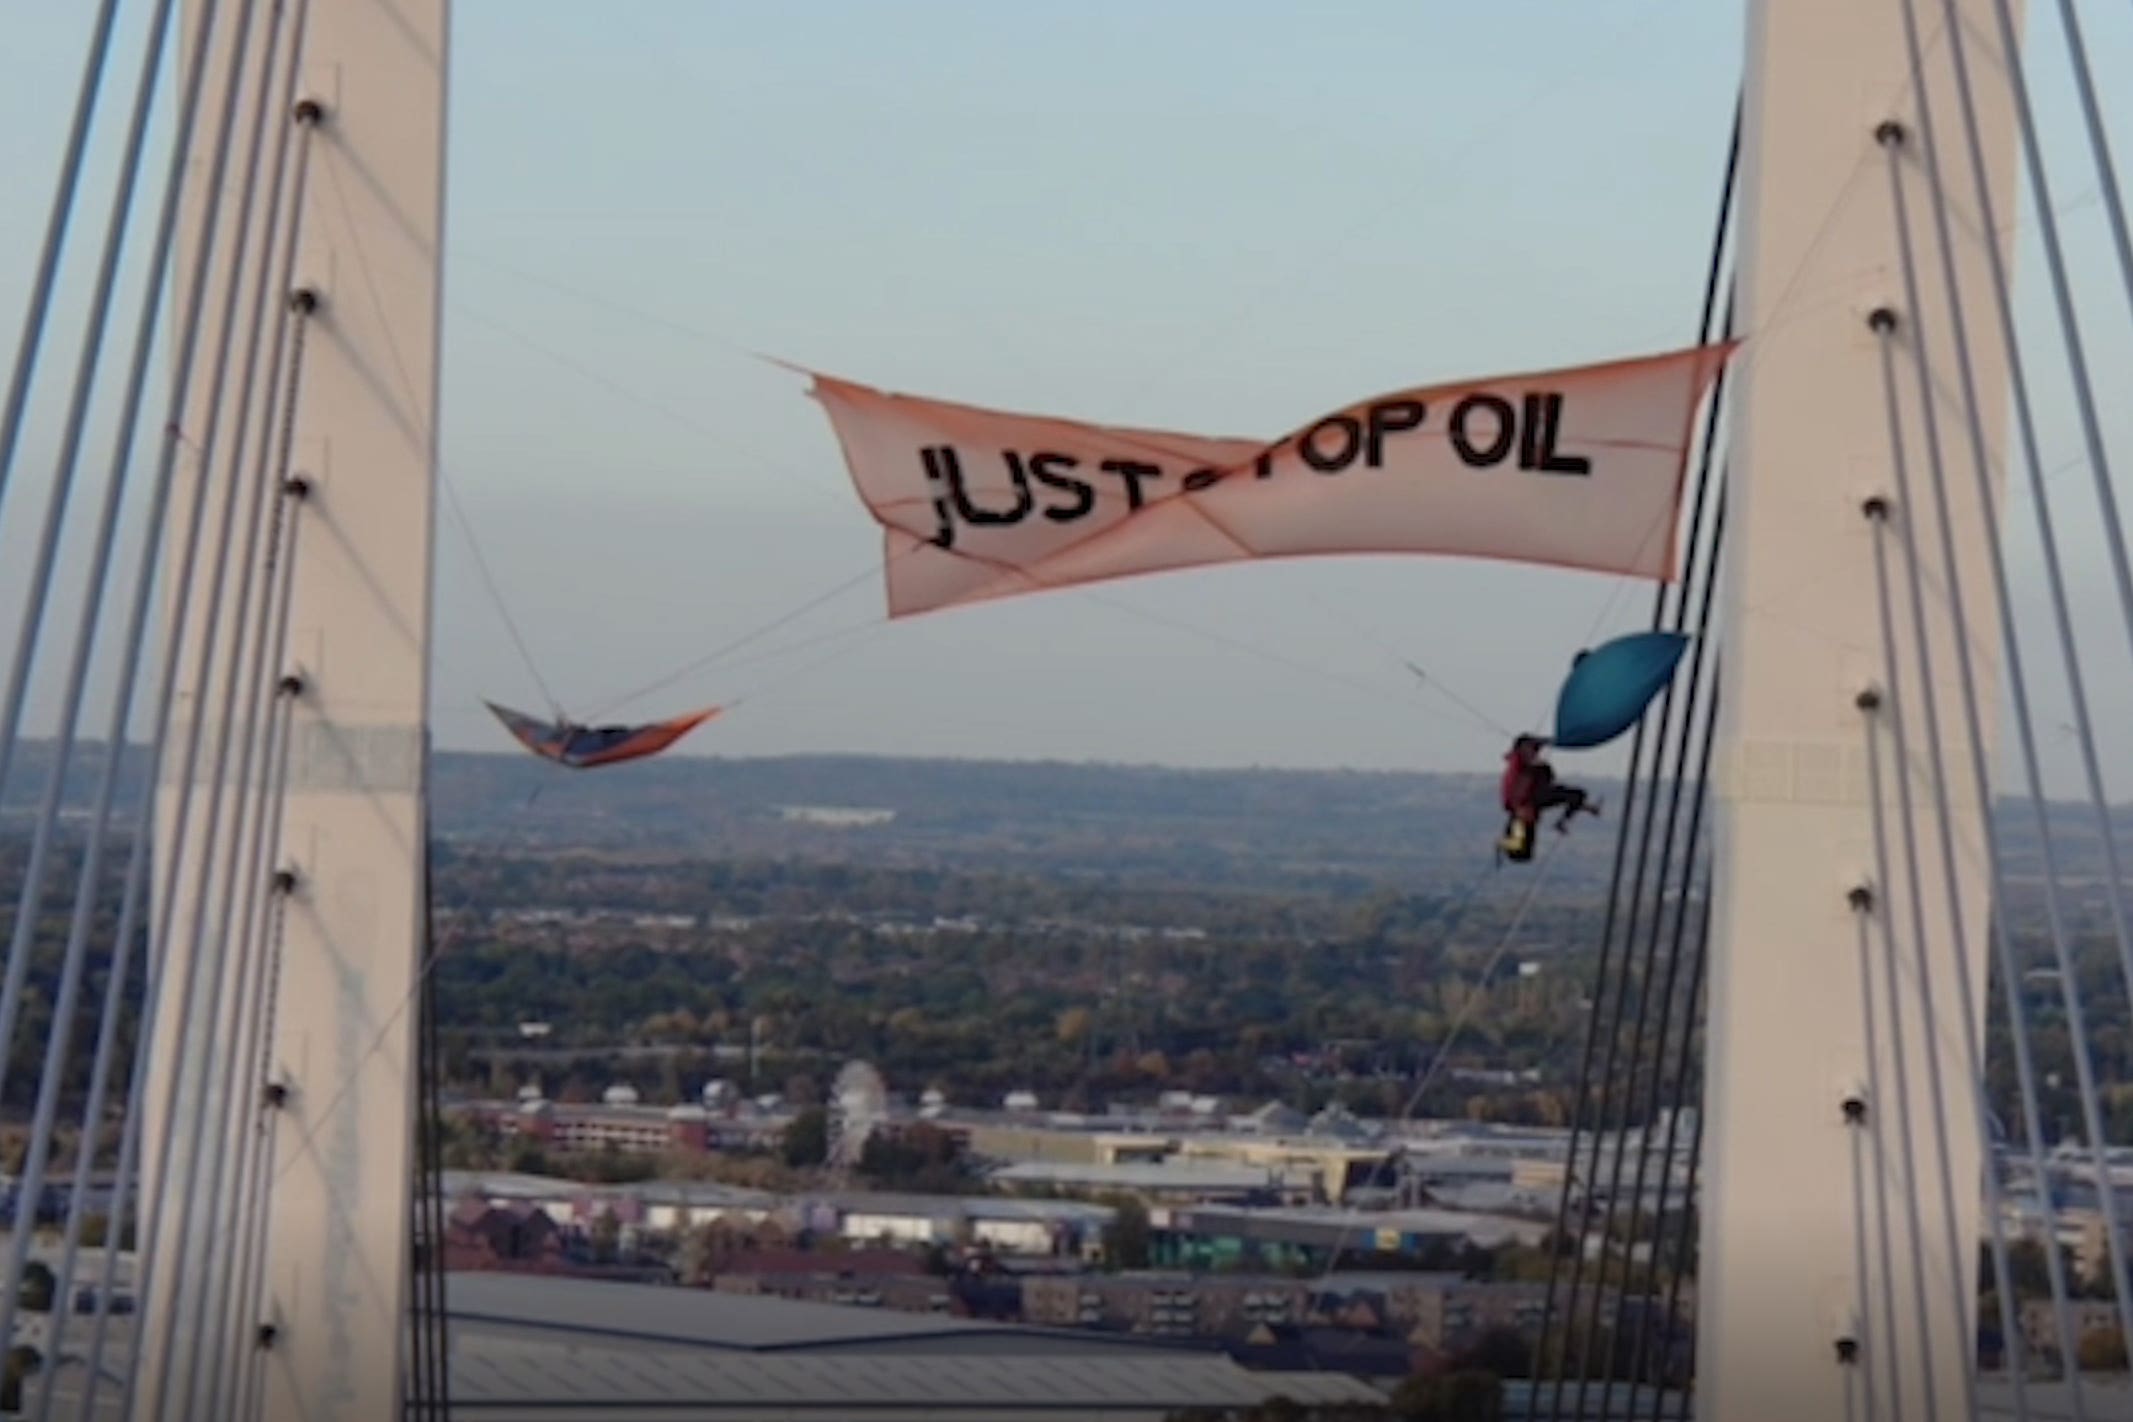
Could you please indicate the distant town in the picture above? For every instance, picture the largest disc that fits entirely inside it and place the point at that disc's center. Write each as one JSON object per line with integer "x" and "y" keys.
{"x": 1154, "y": 1066}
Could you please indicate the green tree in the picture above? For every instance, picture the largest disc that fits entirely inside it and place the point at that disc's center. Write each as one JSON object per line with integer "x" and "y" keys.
{"x": 2027, "y": 1266}
{"x": 606, "y": 1236}
{"x": 1502, "y": 1352}
{"x": 807, "y": 1138}
{"x": 699, "y": 1250}
{"x": 2102, "y": 1350}
{"x": 22, "y": 1361}
{"x": 1073, "y": 1026}
{"x": 1126, "y": 1238}
{"x": 1466, "y": 1396}
{"x": 38, "y": 1286}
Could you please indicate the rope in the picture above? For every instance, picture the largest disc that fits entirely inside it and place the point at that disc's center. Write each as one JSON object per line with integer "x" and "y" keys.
{"x": 1422, "y": 678}
{"x": 1480, "y": 717}
{"x": 438, "y": 946}
{"x": 834, "y": 634}
{"x": 1267, "y": 654}
{"x": 598, "y": 377}
{"x": 496, "y": 596}
{"x": 481, "y": 562}
{"x": 1451, "y": 1034}
{"x": 872, "y": 570}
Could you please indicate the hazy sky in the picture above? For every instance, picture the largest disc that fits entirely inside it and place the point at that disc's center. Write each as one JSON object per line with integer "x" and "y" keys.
{"x": 1222, "y": 217}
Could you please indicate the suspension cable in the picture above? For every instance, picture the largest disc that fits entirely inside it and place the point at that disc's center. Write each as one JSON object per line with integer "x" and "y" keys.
{"x": 2069, "y": 327}
{"x": 1604, "y": 969}
{"x": 1870, "y": 707}
{"x": 1963, "y": 1282}
{"x": 255, "y": 881}
{"x": 269, "y": 886}
{"x": 1886, "y": 1348}
{"x": 2077, "y": 54}
{"x": 9, "y": 1000}
{"x": 36, "y": 599}
{"x": 2001, "y": 286}
{"x": 30, "y": 342}
{"x": 233, "y": 287}
{"x": 1649, "y": 970}
{"x": 247, "y": 681}
{"x": 1692, "y": 841}
{"x": 31, "y": 892}
{"x": 1685, "y": 1235}
{"x": 1936, "y": 470}
{"x": 140, "y": 855}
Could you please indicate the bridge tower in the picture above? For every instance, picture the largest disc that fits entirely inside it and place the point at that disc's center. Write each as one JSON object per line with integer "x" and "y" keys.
{"x": 341, "y": 963}
{"x": 1806, "y": 894}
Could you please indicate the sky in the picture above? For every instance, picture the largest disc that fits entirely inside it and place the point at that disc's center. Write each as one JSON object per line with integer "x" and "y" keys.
{"x": 1223, "y": 217}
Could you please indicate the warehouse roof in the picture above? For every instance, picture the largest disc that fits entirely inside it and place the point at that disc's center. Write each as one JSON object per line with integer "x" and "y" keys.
{"x": 494, "y": 1375}
{"x": 531, "y": 1307}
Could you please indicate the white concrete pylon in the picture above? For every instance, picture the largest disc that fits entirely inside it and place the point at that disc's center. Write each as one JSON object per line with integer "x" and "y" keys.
{"x": 352, "y": 821}
{"x": 1779, "y": 1334}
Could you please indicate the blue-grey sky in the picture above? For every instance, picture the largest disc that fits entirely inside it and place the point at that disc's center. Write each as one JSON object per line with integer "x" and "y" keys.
{"x": 1214, "y": 216}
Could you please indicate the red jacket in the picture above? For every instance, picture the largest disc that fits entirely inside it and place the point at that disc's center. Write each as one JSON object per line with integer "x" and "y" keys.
{"x": 1524, "y": 774}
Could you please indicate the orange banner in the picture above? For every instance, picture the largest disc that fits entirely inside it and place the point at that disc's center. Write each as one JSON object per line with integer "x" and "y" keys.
{"x": 1577, "y": 468}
